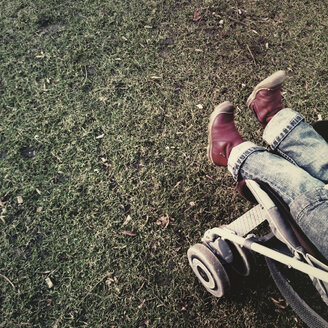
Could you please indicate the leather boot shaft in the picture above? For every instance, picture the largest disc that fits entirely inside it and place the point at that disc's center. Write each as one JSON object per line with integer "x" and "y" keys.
{"x": 266, "y": 104}
{"x": 223, "y": 134}
{"x": 265, "y": 100}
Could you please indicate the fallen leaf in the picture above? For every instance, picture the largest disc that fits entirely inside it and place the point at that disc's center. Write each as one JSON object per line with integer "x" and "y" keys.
{"x": 280, "y": 303}
{"x": 107, "y": 165}
{"x": 197, "y": 15}
{"x": 39, "y": 209}
{"x": 49, "y": 283}
{"x": 109, "y": 281}
{"x": 129, "y": 233}
{"x": 127, "y": 220}
{"x": 119, "y": 247}
{"x": 41, "y": 56}
{"x": 164, "y": 221}
{"x": 103, "y": 99}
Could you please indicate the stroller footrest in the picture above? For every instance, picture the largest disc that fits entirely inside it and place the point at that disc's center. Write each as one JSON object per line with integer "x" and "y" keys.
{"x": 248, "y": 221}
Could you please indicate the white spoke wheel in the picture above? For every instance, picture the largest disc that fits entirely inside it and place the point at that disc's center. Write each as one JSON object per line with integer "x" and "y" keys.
{"x": 243, "y": 259}
{"x": 209, "y": 270}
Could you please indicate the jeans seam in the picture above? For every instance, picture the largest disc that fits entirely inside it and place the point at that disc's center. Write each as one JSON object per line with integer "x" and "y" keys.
{"x": 300, "y": 215}
{"x": 285, "y": 156}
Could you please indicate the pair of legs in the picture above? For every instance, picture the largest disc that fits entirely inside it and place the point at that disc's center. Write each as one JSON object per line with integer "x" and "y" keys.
{"x": 299, "y": 175}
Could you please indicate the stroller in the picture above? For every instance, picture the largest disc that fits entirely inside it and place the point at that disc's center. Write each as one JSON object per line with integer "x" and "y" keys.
{"x": 227, "y": 250}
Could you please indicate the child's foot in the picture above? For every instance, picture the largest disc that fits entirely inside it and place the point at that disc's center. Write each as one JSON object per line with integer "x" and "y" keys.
{"x": 265, "y": 100}
{"x": 222, "y": 134}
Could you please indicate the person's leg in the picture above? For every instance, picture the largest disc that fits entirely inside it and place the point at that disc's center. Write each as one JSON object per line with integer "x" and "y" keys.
{"x": 306, "y": 196}
{"x": 249, "y": 161}
{"x": 246, "y": 160}
{"x": 285, "y": 130}
{"x": 298, "y": 142}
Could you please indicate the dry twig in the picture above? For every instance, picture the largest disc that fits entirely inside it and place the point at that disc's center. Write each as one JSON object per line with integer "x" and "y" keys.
{"x": 238, "y": 21}
{"x": 251, "y": 53}
{"x": 4, "y": 277}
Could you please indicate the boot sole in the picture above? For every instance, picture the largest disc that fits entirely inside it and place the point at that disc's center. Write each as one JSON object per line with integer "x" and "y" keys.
{"x": 224, "y": 108}
{"x": 271, "y": 82}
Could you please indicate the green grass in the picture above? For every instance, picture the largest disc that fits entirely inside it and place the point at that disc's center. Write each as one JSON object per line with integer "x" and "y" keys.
{"x": 99, "y": 121}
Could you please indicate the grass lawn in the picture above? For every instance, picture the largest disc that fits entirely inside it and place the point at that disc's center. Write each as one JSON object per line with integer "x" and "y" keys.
{"x": 103, "y": 134}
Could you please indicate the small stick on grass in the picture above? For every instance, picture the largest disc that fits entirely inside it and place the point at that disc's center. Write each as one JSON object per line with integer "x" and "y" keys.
{"x": 238, "y": 21}
{"x": 140, "y": 287}
{"x": 4, "y": 277}
{"x": 251, "y": 53}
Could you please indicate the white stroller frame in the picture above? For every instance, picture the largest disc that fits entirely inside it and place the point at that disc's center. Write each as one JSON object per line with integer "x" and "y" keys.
{"x": 222, "y": 245}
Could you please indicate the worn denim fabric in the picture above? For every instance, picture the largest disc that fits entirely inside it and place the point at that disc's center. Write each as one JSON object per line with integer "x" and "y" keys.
{"x": 299, "y": 175}
{"x": 298, "y": 142}
{"x": 248, "y": 161}
{"x": 310, "y": 211}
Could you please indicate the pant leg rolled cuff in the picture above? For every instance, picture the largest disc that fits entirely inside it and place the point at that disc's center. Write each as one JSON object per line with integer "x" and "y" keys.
{"x": 280, "y": 126}
{"x": 239, "y": 154}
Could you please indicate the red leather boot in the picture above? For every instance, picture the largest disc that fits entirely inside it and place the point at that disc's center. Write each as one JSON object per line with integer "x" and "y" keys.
{"x": 265, "y": 100}
{"x": 222, "y": 134}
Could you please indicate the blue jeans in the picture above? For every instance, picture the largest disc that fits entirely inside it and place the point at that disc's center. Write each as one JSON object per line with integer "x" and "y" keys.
{"x": 299, "y": 175}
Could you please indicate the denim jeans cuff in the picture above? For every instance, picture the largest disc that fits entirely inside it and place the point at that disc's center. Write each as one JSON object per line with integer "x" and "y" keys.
{"x": 280, "y": 126}
{"x": 239, "y": 154}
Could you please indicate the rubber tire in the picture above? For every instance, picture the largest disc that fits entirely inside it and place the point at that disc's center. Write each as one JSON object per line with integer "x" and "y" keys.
{"x": 209, "y": 270}
{"x": 243, "y": 259}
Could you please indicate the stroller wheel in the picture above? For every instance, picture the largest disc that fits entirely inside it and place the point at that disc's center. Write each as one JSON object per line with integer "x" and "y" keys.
{"x": 243, "y": 259}
{"x": 209, "y": 270}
